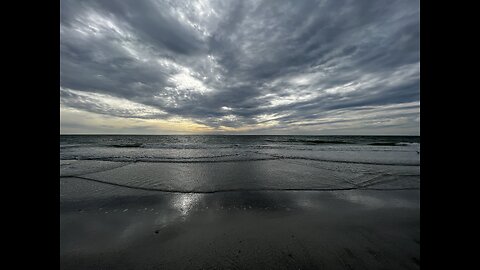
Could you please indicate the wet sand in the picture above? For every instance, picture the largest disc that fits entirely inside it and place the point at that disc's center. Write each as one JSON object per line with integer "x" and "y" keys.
{"x": 139, "y": 229}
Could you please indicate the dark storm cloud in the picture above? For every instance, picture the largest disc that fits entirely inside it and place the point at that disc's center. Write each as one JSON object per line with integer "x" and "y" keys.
{"x": 243, "y": 63}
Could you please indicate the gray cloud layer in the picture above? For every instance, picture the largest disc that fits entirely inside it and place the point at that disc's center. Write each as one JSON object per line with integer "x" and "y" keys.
{"x": 272, "y": 66}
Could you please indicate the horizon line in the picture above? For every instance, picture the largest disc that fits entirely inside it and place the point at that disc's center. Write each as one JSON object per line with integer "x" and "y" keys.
{"x": 199, "y": 134}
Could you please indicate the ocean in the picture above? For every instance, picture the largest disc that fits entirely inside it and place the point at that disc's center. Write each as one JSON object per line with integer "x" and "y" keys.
{"x": 382, "y": 150}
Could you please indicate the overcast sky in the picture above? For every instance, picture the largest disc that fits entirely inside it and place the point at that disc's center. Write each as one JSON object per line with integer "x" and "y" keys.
{"x": 240, "y": 67}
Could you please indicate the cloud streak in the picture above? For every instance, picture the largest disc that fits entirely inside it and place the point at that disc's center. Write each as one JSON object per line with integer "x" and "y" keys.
{"x": 291, "y": 67}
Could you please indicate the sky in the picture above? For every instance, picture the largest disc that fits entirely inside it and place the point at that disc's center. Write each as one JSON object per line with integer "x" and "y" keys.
{"x": 240, "y": 67}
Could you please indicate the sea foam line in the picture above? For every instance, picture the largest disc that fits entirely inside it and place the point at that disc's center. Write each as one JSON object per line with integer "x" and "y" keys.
{"x": 229, "y": 190}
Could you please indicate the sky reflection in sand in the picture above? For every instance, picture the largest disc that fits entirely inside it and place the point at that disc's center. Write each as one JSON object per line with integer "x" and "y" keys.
{"x": 166, "y": 215}
{"x": 185, "y": 203}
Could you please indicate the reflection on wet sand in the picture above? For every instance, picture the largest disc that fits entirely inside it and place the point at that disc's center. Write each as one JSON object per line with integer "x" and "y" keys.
{"x": 185, "y": 203}
{"x": 307, "y": 229}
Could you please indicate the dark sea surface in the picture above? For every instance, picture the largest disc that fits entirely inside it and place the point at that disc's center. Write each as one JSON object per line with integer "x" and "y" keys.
{"x": 367, "y": 149}
{"x": 239, "y": 202}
